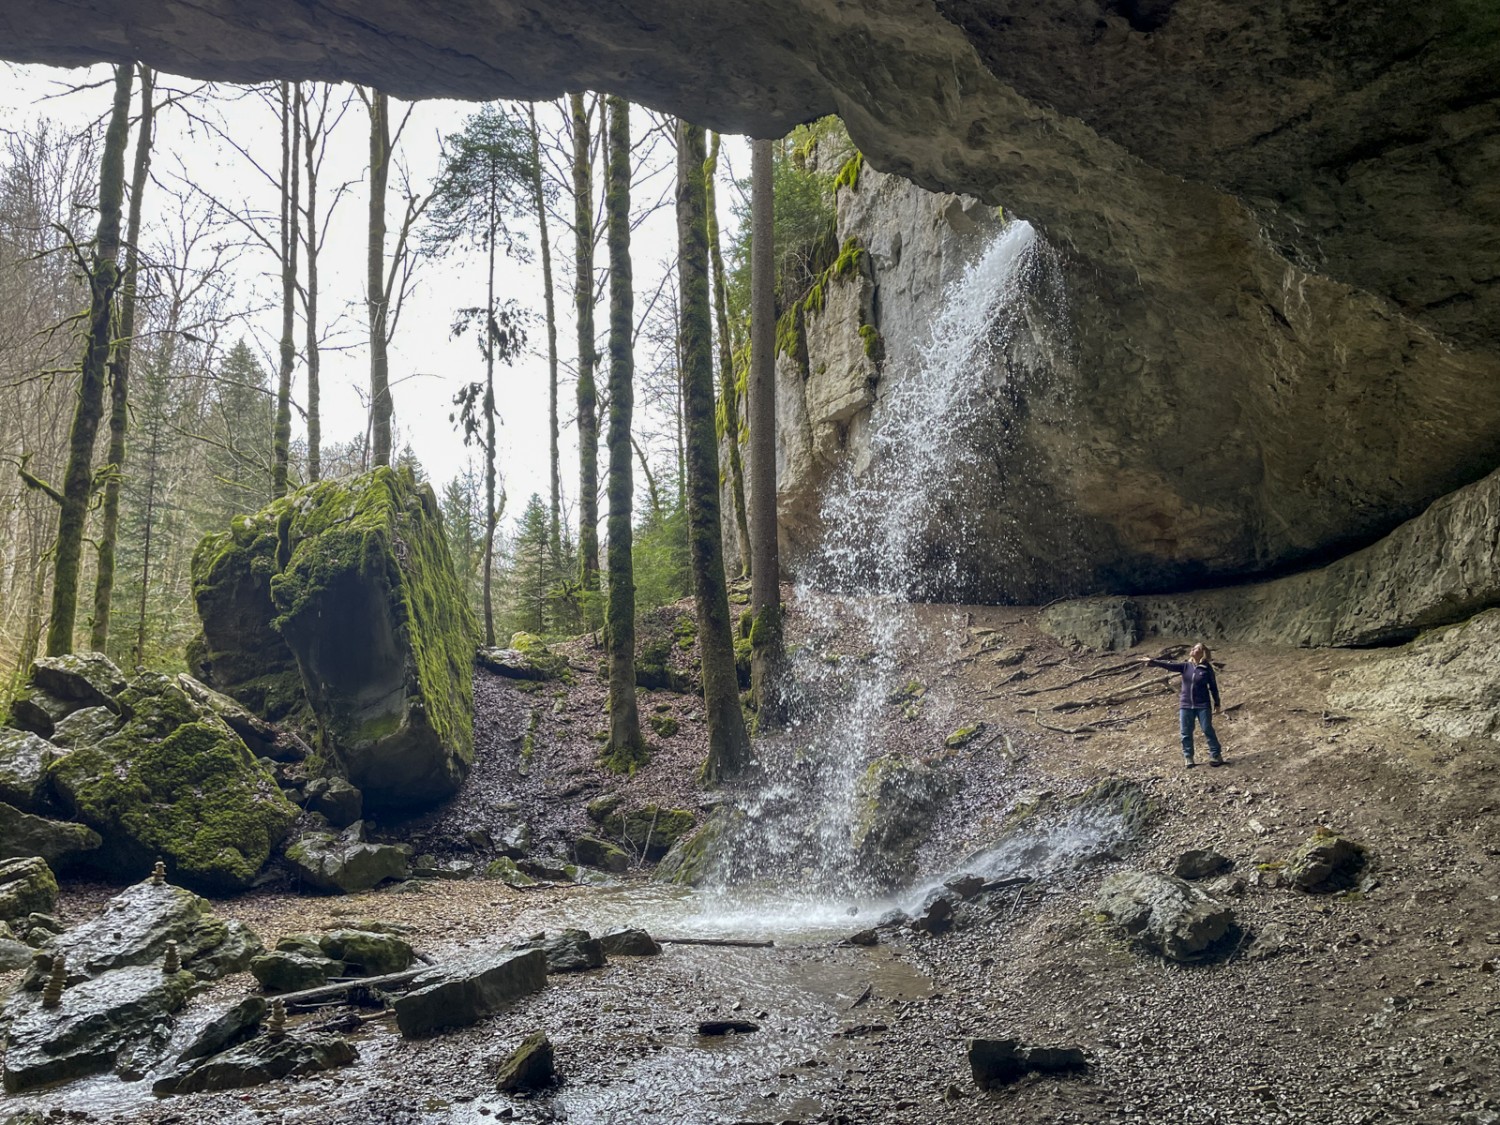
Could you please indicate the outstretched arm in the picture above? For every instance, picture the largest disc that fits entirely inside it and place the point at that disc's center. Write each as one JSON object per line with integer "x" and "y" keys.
{"x": 1169, "y": 665}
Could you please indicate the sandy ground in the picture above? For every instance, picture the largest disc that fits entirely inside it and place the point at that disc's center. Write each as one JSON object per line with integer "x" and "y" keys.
{"x": 1380, "y": 1006}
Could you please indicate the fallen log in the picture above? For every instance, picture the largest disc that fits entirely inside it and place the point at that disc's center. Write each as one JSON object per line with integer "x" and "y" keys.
{"x": 715, "y": 941}
{"x": 314, "y": 997}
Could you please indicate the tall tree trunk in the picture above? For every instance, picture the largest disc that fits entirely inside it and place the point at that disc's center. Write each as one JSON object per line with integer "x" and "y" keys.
{"x": 728, "y": 745}
{"x": 104, "y": 279}
{"x": 765, "y": 592}
{"x": 729, "y": 398}
{"x": 291, "y": 166}
{"x": 375, "y": 295}
{"x": 626, "y": 748}
{"x": 492, "y": 516}
{"x": 119, "y": 393}
{"x": 583, "y": 299}
{"x": 314, "y": 417}
{"x": 555, "y": 527}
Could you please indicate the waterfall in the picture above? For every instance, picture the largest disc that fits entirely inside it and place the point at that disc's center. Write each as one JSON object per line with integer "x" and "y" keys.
{"x": 876, "y": 558}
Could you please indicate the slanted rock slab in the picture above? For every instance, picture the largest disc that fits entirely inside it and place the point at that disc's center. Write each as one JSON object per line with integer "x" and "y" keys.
{"x": 85, "y": 1033}
{"x": 27, "y": 886}
{"x": 262, "y": 1060}
{"x": 238, "y": 1024}
{"x": 530, "y": 1066}
{"x": 24, "y": 758}
{"x": 569, "y": 951}
{"x": 1201, "y": 863}
{"x": 629, "y": 942}
{"x": 464, "y": 992}
{"x": 60, "y": 843}
{"x": 594, "y": 852}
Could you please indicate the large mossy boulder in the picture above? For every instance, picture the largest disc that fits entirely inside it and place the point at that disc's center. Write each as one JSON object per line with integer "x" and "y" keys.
{"x": 896, "y": 802}
{"x": 175, "y": 783}
{"x": 352, "y": 580}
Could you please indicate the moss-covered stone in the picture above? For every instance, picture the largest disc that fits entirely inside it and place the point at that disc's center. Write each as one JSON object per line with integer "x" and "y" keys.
{"x": 594, "y": 852}
{"x": 349, "y": 585}
{"x": 174, "y": 782}
{"x": 27, "y": 886}
{"x": 664, "y": 725}
{"x": 896, "y": 801}
{"x": 507, "y": 872}
{"x": 964, "y": 735}
{"x": 86, "y": 727}
{"x": 694, "y": 858}
{"x": 650, "y": 829}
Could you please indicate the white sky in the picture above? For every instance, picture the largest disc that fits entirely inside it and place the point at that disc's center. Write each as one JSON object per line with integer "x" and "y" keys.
{"x": 426, "y": 366}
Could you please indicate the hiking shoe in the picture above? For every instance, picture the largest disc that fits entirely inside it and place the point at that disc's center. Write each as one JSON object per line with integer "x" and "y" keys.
{"x": 1215, "y": 760}
{"x": 1188, "y": 763}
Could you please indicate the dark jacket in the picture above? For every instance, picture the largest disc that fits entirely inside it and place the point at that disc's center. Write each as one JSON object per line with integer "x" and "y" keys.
{"x": 1198, "y": 682}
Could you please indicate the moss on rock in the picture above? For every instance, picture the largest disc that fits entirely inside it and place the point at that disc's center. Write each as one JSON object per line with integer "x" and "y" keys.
{"x": 175, "y": 782}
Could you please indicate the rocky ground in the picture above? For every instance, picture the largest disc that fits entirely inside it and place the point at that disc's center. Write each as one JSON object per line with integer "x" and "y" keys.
{"x": 1379, "y": 1004}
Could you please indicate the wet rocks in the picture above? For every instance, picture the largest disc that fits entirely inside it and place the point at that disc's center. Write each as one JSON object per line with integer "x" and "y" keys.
{"x": 530, "y": 1066}
{"x": 464, "y": 992}
{"x": 650, "y": 829}
{"x": 238, "y": 1024}
{"x": 507, "y": 872}
{"x": 57, "y": 686}
{"x": 293, "y": 969}
{"x": 629, "y": 942}
{"x": 60, "y": 843}
{"x": 85, "y": 1033}
{"x": 965, "y": 886}
{"x": 568, "y": 951}
{"x": 964, "y": 735}
{"x": 27, "y": 886}
{"x": 936, "y": 915}
{"x": 261, "y": 1060}
{"x": 333, "y": 797}
{"x": 1162, "y": 914}
{"x": 896, "y": 801}
{"x": 1201, "y": 863}
{"x": 694, "y": 857}
{"x": 347, "y": 862}
{"x": 727, "y": 1027}
{"x": 86, "y": 727}
{"x": 135, "y": 926}
{"x": 365, "y": 952}
{"x": 999, "y": 1062}
{"x": 1326, "y": 862}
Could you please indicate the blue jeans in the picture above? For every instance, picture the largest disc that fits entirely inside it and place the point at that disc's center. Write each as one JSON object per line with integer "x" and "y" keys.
{"x": 1204, "y": 717}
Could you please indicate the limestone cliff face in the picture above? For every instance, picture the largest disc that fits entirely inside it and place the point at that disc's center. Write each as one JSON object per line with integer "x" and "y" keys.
{"x": 1209, "y": 414}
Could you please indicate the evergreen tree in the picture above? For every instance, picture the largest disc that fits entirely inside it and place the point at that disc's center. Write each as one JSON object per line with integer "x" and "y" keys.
{"x": 533, "y": 571}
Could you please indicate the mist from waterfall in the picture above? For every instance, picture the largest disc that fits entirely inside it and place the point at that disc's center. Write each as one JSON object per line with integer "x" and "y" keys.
{"x": 931, "y": 426}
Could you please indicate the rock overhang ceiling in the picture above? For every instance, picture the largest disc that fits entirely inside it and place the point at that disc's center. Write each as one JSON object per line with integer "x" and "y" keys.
{"x": 1281, "y": 221}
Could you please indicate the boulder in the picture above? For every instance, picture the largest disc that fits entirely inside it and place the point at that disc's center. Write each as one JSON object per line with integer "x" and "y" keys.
{"x": 526, "y": 658}
{"x": 896, "y": 801}
{"x": 265, "y": 739}
{"x": 965, "y": 886}
{"x": 239, "y": 1023}
{"x": 694, "y": 858}
{"x": 27, "y": 886}
{"x": 335, "y": 799}
{"x": 464, "y": 992}
{"x": 936, "y": 914}
{"x": 367, "y": 953}
{"x": 507, "y": 872}
{"x": 629, "y": 942}
{"x": 89, "y": 679}
{"x": 352, "y": 580}
{"x": 24, "y": 758}
{"x": 568, "y": 951}
{"x": 1326, "y": 862}
{"x": 530, "y": 1066}
{"x": 1201, "y": 863}
{"x": 1102, "y": 624}
{"x": 174, "y": 782}
{"x": 38, "y": 711}
{"x": 86, "y": 727}
{"x": 650, "y": 829}
{"x": 999, "y": 1062}
{"x": 715, "y": 1028}
{"x": 87, "y": 1031}
{"x": 60, "y": 843}
{"x": 290, "y": 970}
{"x": 1165, "y": 915}
{"x": 135, "y": 926}
{"x": 345, "y": 863}
{"x": 259, "y": 1061}
{"x": 593, "y": 852}
{"x": 14, "y": 955}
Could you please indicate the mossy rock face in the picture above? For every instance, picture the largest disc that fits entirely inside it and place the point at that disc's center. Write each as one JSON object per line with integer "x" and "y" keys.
{"x": 594, "y": 852}
{"x": 348, "y": 585}
{"x": 695, "y": 858}
{"x": 964, "y": 735}
{"x": 174, "y": 782}
{"x": 27, "y": 886}
{"x": 367, "y": 953}
{"x": 665, "y": 726}
{"x": 896, "y": 802}
{"x": 24, "y": 759}
{"x": 650, "y": 829}
{"x": 507, "y": 872}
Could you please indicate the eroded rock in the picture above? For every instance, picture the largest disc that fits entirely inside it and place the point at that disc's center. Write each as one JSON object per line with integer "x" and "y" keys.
{"x": 262, "y": 1060}
{"x": 60, "y": 843}
{"x": 1162, "y": 914}
{"x": 27, "y": 886}
{"x": 464, "y": 992}
{"x": 530, "y": 1066}
{"x": 24, "y": 758}
{"x": 345, "y": 863}
{"x": 896, "y": 801}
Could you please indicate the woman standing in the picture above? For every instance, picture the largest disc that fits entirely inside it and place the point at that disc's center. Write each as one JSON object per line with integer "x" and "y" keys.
{"x": 1198, "y": 686}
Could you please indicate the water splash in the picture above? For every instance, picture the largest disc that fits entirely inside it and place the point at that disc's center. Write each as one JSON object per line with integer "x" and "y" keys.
{"x": 895, "y": 533}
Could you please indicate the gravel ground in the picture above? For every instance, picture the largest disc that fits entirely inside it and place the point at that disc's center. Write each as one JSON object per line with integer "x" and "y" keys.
{"x": 1380, "y": 1006}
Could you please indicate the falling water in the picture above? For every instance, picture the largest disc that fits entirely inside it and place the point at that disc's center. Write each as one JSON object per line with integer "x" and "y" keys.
{"x": 990, "y": 343}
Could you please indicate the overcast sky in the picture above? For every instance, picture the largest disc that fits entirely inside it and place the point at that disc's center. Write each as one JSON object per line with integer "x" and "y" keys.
{"x": 427, "y": 367}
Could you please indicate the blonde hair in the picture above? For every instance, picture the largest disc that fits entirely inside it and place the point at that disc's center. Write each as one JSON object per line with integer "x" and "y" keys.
{"x": 1207, "y": 656}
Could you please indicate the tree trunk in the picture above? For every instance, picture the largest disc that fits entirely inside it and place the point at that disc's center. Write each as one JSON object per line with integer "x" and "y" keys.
{"x": 103, "y": 279}
{"x": 291, "y": 165}
{"x": 119, "y": 396}
{"x": 728, "y": 745}
{"x": 765, "y": 591}
{"x": 375, "y": 294}
{"x": 729, "y": 398}
{"x": 314, "y": 418}
{"x": 492, "y": 517}
{"x": 626, "y": 748}
{"x": 555, "y": 527}
{"x": 583, "y": 299}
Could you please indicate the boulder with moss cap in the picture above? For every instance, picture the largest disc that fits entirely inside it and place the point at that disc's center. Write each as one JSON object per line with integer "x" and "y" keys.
{"x": 175, "y": 783}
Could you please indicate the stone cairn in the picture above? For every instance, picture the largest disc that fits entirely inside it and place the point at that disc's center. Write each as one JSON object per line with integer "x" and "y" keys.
{"x": 276, "y": 1025}
{"x": 158, "y": 874}
{"x": 57, "y": 980}
{"x": 173, "y": 961}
